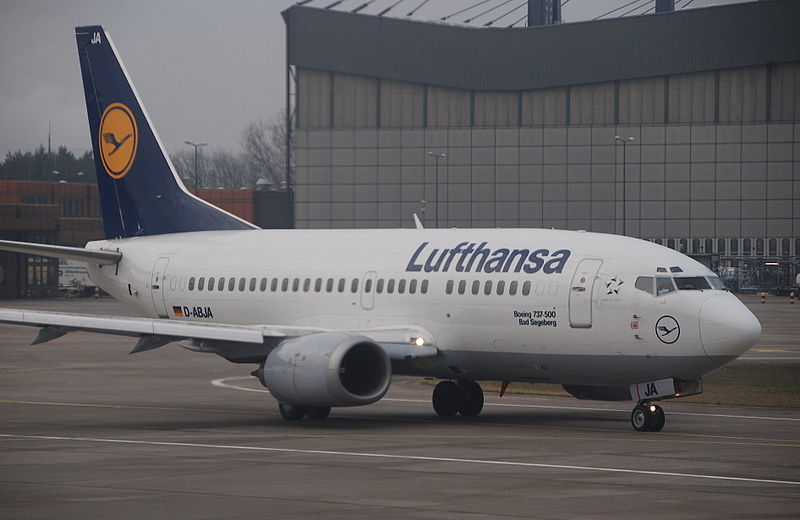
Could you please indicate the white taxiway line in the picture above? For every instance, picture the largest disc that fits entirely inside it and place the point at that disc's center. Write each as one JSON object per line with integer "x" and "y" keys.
{"x": 403, "y": 457}
{"x": 223, "y": 383}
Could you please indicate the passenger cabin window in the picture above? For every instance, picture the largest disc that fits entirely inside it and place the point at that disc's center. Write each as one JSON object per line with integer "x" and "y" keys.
{"x": 390, "y": 286}
{"x": 341, "y": 285}
{"x": 253, "y": 283}
{"x": 191, "y": 283}
{"x": 512, "y": 288}
{"x": 318, "y": 285}
{"x": 424, "y": 287}
{"x": 263, "y": 286}
{"x": 368, "y": 286}
{"x": 401, "y": 287}
{"x": 329, "y": 285}
{"x": 645, "y": 283}
{"x": 273, "y": 285}
{"x": 476, "y": 287}
{"x": 211, "y": 284}
{"x": 526, "y": 288}
{"x": 354, "y": 285}
{"x": 231, "y": 283}
{"x": 221, "y": 283}
{"x": 501, "y": 285}
{"x": 691, "y": 283}
{"x": 664, "y": 285}
{"x": 487, "y": 287}
{"x": 295, "y": 284}
{"x": 449, "y": 287}
{"x": 201, "y": 283}
{"x": 285, "y": 284}
{"x": 412, "y": 287}
{"x": 306, "y": 284}
{"x": 242, "y": 283}
{"x": 379, "y": 286}
{"x": 462, "y": 286}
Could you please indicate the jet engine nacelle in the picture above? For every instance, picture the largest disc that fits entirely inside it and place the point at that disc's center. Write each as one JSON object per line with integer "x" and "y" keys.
{"x": 327, "y": 369}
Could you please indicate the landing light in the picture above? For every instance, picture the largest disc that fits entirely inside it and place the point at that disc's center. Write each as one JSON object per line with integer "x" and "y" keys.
{"x": 419, "y": 342}
{"x": 771, "y": 263}
{"x": 652, "y": 408}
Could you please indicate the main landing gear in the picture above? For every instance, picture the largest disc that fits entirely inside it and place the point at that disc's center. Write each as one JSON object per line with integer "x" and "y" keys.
{"x": 647, "y": 417}
{"x": 291, "y": 412}
{"x": 454, "y": 397}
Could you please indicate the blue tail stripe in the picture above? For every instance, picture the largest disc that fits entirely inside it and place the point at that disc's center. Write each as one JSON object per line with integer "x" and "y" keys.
{"x": 140, "y": 194}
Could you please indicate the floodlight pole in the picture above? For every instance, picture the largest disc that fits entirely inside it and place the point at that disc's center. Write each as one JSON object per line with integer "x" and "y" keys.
{"x": 196, "y": 146}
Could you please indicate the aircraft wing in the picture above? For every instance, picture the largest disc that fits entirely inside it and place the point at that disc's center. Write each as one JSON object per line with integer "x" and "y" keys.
{"x": 204, "y": 337}
{"x": 70, "y": 253}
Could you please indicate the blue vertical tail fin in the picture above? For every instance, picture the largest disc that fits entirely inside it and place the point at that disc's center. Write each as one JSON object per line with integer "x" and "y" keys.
{"x": 140, "y": 192}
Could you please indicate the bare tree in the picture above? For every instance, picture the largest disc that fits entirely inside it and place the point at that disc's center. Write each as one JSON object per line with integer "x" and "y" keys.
{"x": 265, "y": 150}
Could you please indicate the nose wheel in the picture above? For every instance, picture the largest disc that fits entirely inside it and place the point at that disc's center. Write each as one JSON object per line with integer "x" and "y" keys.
{"x": 647, "y": 417}
{"x": 461, "y": 397}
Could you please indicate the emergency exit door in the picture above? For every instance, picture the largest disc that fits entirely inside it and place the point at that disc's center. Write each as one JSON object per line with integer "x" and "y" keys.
{"x": 580, "y": 293}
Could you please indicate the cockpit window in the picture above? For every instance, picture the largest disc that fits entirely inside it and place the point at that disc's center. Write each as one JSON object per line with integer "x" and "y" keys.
{"x": 645, "y": 283}
{"x": 692, "y": 283}
{"x": 716, "y": 283}
{"x": 664, "y": 285}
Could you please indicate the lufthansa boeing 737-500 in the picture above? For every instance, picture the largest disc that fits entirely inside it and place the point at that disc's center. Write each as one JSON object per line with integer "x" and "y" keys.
{"x": 328, "y": 316}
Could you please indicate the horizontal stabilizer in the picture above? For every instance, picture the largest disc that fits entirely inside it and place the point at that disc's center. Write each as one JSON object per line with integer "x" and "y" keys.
{"x": 80, "y": 254}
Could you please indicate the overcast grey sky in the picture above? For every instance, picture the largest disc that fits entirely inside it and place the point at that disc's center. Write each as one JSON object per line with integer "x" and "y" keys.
{"x": 204, "y": 68}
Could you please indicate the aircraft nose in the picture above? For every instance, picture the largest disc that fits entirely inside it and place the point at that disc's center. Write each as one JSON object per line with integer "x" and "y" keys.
{"x": 727, "y": 327}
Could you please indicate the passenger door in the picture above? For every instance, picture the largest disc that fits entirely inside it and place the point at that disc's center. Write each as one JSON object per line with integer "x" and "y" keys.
{"x": 580, "y": 293}
{"x": 157, "y": 286}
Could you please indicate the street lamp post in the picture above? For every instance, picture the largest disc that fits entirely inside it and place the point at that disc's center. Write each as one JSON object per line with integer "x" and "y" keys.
{"x": 437, "y": 156}
{"x": 196, "y": 173}
{"x": 624, "y": 141}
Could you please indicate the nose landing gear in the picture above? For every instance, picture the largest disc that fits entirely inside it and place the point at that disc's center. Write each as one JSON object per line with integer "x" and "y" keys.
{"x": 464, "y": 397}
{"x": 647, "y": 417}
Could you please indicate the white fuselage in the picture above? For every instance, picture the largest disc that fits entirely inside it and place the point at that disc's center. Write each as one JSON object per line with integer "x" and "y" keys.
{"x": 568, "y": 314}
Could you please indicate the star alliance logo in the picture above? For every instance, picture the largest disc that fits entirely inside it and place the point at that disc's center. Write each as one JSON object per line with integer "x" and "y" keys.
{"x": 614, "y": 285}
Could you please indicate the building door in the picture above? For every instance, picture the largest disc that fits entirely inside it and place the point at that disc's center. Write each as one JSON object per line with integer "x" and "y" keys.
{"x": 368, "y": 291}
{"x": 157, "y": 287}
{"x": 580, "y": 292}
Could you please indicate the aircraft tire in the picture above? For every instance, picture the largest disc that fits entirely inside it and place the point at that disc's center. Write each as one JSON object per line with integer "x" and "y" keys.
{"x": 446, "y": 399}
{"x": 318, "y": 413}
{"x": 642, "y": 419}
{"x": 472, "y": 398}
{"x": 660, "y": 419}
{"x": 291, "y": 412}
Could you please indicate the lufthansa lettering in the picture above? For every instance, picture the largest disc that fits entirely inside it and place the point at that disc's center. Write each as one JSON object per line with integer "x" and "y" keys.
{"x": 470, "y": 257}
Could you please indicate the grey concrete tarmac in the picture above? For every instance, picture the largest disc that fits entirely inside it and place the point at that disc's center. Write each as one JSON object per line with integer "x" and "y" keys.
{"x": 88, "y": 431}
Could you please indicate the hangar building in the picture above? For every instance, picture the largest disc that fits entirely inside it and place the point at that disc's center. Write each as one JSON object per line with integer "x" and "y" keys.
{"x": 498, "y": 127}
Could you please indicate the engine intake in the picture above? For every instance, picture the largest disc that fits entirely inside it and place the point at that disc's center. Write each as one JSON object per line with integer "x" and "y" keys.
{"x": 327, "y": 369}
